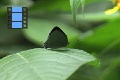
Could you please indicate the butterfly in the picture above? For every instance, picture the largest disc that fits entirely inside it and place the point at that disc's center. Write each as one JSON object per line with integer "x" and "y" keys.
{"x": 56, "y": 39}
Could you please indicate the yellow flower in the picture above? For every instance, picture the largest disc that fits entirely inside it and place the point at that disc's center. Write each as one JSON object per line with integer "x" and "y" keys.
{"x": 114, "y": 9}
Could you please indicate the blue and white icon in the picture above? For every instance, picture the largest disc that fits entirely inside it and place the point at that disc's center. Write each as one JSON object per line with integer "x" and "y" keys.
{"x": 17, "y": 17}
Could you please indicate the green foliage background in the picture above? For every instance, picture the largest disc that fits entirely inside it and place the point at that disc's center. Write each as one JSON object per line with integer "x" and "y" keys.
{"x": 95, "y": 33}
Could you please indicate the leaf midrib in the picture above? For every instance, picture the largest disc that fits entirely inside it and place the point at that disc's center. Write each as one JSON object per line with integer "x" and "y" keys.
{"x": 27, "y": 62}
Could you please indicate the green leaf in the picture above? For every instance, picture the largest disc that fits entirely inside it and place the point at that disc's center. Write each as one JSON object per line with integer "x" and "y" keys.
{"x": 104, "y": 37}
{"x": 27, "y": 3}
{"x": 38, "y": 30}
{"x": 83, "y": 3}
{"x": 95, "y": 63}
{"x": 43, "y": 64}
{"x": 74, "y": 6}
{"x": 99, "y": 16}
{"x": 51, "y": 5}
{"x": 112, "y": 68}
{"x": 10, "y": 36}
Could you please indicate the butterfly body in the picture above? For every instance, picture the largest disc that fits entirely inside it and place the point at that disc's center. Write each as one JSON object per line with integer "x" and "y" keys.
{"x": 56, "y": 39}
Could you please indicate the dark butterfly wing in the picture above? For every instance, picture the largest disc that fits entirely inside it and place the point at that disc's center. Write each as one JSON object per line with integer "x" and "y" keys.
{"x": 56, "y": 39}
{"x": 57, "y": 29}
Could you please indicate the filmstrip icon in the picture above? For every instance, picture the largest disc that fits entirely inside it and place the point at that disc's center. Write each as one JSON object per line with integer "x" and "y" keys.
{"x": 17, "y": 17}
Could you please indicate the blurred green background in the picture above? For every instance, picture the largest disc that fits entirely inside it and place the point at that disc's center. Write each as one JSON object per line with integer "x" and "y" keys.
{"x": 96, "y": 33}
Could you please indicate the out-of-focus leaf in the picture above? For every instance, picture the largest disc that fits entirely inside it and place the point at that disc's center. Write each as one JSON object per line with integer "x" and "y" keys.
{"x": 11, "y": 49}
{"x": 104, "y": 36}
{"x": 95, "y": 63}
{"x": 51, "y": 5}
{"x": 74, "y": 6}
{"x": 111, "y": 69}
{"x": 11, "y": 3}
{"x": 8, "y": 36}
{"x": 25, "y": 3}
{"x": 38, "y": 30}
